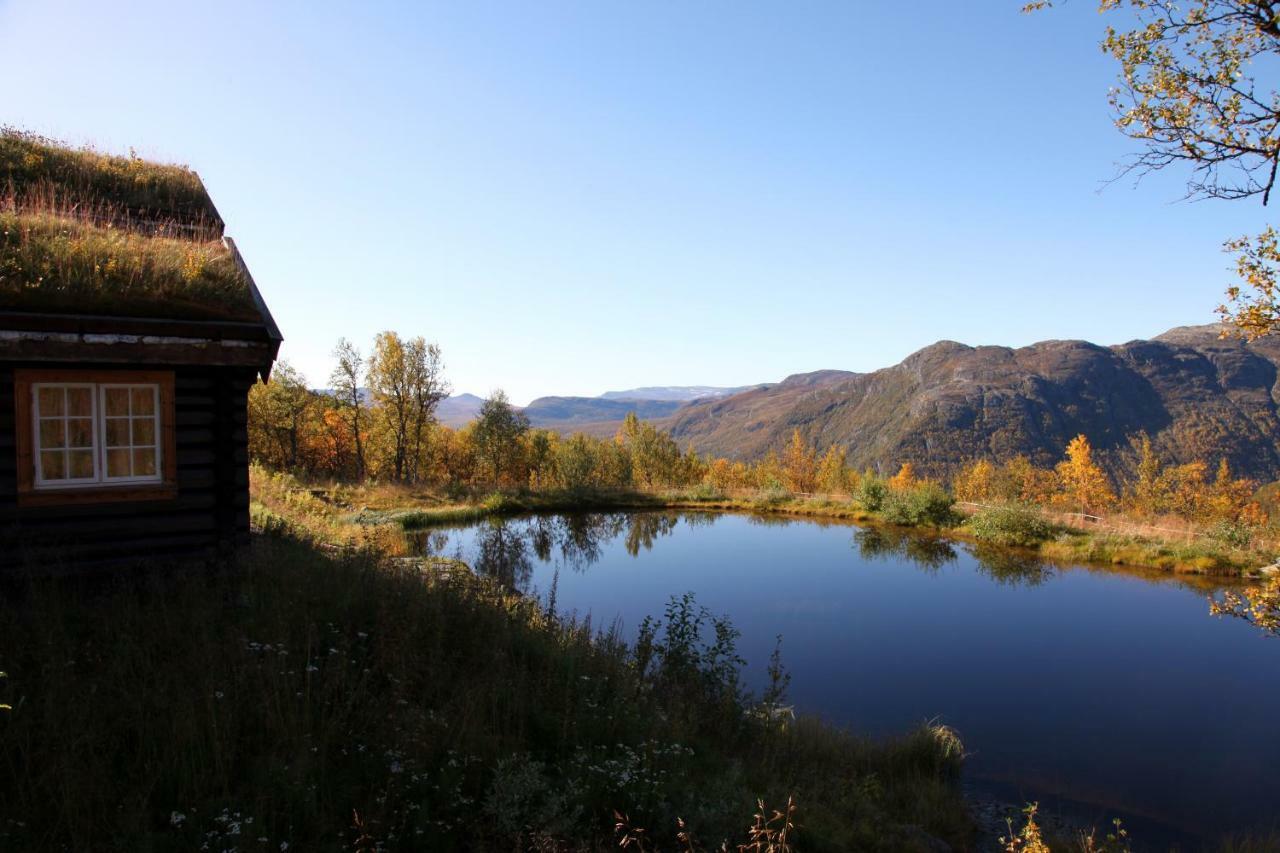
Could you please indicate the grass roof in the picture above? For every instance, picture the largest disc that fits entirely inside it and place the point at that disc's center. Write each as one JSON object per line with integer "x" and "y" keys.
{"x": 41, "y": 171}
{"x": 90, "y": 233}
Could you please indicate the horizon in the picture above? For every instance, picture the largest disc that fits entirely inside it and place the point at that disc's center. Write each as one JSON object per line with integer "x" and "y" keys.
{"x": 574, "y": 200}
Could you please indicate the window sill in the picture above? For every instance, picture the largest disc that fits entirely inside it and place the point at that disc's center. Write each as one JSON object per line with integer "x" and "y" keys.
{"x": 98, "y": 494}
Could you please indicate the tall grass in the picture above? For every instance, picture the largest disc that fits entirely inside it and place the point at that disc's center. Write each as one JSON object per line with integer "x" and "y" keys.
{"x": 56, "y": 259}
{"x": 328, "y": 700}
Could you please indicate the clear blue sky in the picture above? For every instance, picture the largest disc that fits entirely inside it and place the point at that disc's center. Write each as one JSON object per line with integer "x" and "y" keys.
{"x": 578, "y": 197}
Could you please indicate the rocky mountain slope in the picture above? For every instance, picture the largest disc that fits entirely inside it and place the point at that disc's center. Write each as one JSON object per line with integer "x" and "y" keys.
{"x": 1199, "y": 397}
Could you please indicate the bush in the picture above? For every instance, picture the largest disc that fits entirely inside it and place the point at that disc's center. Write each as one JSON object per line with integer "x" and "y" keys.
{"x": 871, "y": 493}
{"x": 1232, "y": 534}
{"x": 927, "y": 503}
{"x": 1010, "y": 525}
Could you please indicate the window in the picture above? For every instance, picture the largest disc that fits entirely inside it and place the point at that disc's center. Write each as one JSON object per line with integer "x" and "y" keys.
{"x": 90, "y": 431}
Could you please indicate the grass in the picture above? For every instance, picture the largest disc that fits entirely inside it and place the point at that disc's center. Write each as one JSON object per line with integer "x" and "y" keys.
{"x": 86, "y": 232}
{"x": 142, "y": 188}
{"x": 1024, "y": 531}
{"x": 50, "y": 261}
{"x": 339, "y": 699}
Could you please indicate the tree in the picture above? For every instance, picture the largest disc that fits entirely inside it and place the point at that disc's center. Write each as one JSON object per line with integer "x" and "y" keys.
{"x": 1190, "y": 95}
{"x": 278, "y": 413}
{"x": 834, "y": 476}
{"x": 427, "y": 388}
{"x": 1151, "y": 489}
{"x": 1083, "y": 483}
{"x": 800, "y": 465}
{"x": 345, "y": 381}
{"x": 499, "y": 429}
{"x": 904, "y": 479}
{"x": 389, "y": 382}
{"x": 406, "y": 381}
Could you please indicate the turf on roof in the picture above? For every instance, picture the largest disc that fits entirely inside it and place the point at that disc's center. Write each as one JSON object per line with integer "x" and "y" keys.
{"x": 88, "y": 233}
{"x": 34, "y": 169}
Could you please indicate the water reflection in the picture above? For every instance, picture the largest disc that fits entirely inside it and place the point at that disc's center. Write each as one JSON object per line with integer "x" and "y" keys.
{"x": 927, "y": 552}
{"x": 887, "y": 627}
{"x": 505, "y": 548}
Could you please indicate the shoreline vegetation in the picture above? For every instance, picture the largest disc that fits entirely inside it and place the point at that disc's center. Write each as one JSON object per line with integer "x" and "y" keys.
{"x": 373, "y": 441}
{"x": 356, "y": 512}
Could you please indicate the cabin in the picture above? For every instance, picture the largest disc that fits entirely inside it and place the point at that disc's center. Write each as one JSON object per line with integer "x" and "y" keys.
{"x": 130, "y": 334}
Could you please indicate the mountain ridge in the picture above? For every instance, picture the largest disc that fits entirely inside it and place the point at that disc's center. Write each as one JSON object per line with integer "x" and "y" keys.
{"x": 1197, "y": 395}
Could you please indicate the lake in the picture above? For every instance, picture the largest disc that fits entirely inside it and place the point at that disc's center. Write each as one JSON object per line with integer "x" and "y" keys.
{"x": 1095, "y": 691}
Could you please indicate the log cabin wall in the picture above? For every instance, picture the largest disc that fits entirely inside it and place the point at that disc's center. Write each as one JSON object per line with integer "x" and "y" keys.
{"x": 209, "y": 516}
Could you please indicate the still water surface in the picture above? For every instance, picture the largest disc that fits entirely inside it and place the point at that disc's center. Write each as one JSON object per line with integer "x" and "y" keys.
{"x": 1100, "y": 691}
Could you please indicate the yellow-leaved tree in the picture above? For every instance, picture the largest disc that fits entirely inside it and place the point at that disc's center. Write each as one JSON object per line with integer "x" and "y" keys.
{"x": 905, "y": 478}
{"x": 800, "y": 464}
{"x": 1083, "y": 484}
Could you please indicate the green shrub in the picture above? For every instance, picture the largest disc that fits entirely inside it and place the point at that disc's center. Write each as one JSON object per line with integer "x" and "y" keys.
{"x": 871, "y": 493}
{"x": 1232, "y": 534}
{"x": 925, "y": 504}
{"x": 1010, "y": 525}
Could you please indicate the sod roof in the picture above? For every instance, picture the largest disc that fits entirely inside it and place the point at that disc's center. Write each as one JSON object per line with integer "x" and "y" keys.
{"x": 83, "y": 232}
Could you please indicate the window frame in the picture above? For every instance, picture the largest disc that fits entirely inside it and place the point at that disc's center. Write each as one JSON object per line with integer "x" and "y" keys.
{"x": 33, "y": 490}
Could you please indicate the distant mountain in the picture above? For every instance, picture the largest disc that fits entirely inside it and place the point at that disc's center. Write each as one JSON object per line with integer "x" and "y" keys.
{"x": 458, "y": 410}
{"x": 680, "y": 393}
{"x": 562, "y": 411}
{"x": 1197, "y": 396}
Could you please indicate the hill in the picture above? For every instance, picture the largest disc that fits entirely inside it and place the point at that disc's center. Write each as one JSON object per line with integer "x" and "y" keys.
{"x": 569, "y": 412}
{"x": 1198, "y": 397}
{"x": 458, "y": 410}
{"x": 680, "y": 393}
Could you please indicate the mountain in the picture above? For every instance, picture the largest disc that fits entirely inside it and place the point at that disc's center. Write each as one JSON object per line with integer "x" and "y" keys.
{"x": 1197, "y": 396}
{"x": 562, "y": 411}
{"x": 458, "y": 410}
{"x": 679, "y": 393}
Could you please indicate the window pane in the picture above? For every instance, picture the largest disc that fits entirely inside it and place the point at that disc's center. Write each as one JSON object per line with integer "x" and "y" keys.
{"x": 49, "y": 401}
{"x": 144, "y": 432}
{"x": 81, "y": 464}
{"x": 144, "y": 463}
{"x": 117, "y": 432}
{"x": 79, "y": 432}
{"x": 117, "y": 463}
{"x": 117, "y": 401}
{"x": 144, "y": 400}
{"x": 51, "y": 434}
{"x": 51, "y": 466}
{"x": 80, "y": 402}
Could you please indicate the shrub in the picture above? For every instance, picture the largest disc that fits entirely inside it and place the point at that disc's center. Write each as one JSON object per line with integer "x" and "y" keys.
{"x": 1010, "y": 525}
{"x": 927, "y": 503}
{"x": 871, "y": 493}
{"x": 1232, "y": 534}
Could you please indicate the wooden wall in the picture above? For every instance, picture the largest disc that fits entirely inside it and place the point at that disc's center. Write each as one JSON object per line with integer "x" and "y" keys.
{"x": 209, "y": 517}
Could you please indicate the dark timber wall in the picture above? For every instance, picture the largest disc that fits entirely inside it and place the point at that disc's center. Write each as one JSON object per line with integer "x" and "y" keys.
{"x": 209, "y": 516}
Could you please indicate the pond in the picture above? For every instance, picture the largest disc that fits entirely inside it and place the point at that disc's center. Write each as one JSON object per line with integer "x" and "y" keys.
{"x": 1097, "y": 692}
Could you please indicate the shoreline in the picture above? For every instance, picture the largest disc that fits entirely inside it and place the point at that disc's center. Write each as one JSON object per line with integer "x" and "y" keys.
{"x": 1070, "y": 546}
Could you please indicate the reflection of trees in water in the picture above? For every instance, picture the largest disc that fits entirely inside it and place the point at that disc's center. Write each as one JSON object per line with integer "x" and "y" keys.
{"x": 642, "y": 530}
{"x": 928, "y": 552}
{"x": 1012, "y": 568}
{"x": 1259, "y": 605}
{"x": 504, "y": 549}
{"x": 502, "y": 553}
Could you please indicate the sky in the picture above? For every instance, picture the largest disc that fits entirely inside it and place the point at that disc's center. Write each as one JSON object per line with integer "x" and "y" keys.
{"x": 572, "y": 198}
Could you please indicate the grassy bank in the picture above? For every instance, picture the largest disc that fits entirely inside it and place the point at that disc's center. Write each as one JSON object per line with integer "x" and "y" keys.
{"x": 312, "y": 698}
{"x": 358, "y": 512}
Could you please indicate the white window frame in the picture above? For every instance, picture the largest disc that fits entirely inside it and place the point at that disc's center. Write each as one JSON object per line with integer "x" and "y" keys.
{"x": 97, "y": 410}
